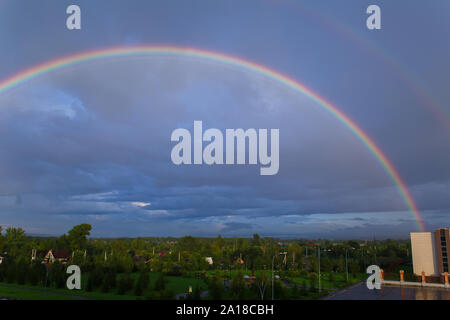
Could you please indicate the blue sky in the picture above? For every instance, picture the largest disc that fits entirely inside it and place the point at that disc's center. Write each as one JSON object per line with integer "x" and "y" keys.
{"x": 91, "y": 143}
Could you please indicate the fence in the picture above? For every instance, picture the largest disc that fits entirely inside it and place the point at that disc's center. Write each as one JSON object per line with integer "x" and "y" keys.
{"x": 422, "y": 280}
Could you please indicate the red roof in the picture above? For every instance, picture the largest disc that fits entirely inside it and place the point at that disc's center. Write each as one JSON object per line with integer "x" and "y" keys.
{"x": 162, "y": 253}
{"x": 61, "y": 254}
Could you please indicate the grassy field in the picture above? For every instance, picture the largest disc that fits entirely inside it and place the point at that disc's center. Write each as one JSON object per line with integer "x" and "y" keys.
{"x": 177, "y": 284}
{"x": 28, "y": 292}
{"x": 338, "y": 280}
{"x": 17, "y": 291}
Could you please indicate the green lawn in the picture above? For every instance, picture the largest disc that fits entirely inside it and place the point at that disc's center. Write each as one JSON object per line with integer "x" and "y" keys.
{"x": 13, "y": 293}
{"x": 17, "y": 291}
{"x": 176, "y": 284}
{"x": 38, "y": 292}
{"x": 339, "y": 280}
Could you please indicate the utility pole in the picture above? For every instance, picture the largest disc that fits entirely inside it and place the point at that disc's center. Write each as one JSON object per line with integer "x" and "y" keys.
{"x": 346, "y": 264}
{"x": 319, "y": 267}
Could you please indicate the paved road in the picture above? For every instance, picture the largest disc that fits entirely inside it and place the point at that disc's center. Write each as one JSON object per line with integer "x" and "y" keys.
{"x": 203, "y": 294}
{"x": 360, "y": 292}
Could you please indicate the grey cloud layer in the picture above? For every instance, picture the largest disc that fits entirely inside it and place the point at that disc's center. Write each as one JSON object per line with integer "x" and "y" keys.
{"x": 89, "y": 141}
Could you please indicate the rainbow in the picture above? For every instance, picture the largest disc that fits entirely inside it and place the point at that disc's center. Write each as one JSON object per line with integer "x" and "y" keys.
{"x": 404, "y": 74}
{"x": 86, "y": 56}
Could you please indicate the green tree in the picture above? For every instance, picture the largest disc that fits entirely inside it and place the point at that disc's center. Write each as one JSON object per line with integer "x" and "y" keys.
{"x": 141, "y": 283}
{"x": 312, "y": 281}
{"x": 262, "y": 281}
{"x": 238, "y": 286}
{"x": 57, "y": 275}
{"x": 341, "y": 264}
{"x": 256, "y": 240}
{"x": 196, "y": 295}
{"x": 216, "y": 288}
{"x": 14, "y": 241}
{"x": 78, "y": 236}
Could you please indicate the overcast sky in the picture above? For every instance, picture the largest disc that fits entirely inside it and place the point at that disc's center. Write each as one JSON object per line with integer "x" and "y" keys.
{"x": 91, "y": 143}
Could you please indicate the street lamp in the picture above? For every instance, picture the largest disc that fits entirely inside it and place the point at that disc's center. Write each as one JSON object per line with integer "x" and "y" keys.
{"x": 273, "y": 276}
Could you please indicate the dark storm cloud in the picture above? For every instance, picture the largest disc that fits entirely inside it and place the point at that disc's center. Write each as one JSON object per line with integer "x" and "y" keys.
{"x": 92, "y": 155}
{"x": 92, "y": 142}
{"x": 231, "y": 227}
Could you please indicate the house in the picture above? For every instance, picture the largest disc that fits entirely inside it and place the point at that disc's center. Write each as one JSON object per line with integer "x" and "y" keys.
{"x": 209, "y": 260}
{"x": 50, "y": 256}
{"x": 62, "y": 256}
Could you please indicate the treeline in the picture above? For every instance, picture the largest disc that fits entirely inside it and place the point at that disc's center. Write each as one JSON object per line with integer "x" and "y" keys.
{"x": 188, "y": 254}
{"x": 123, "y": 265}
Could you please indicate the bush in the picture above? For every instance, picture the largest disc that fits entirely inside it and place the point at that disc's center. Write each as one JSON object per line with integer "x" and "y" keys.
{"x": 196, "y": 295}
{"x": 37, "y": 274}
{"x": 90, "y": 283}
{"x": 141, "y": 283}
{"x": 312, "y": 282}
{"x": 21, "y": 272}
{"x": 280, "y": 292}
{"x": 160, "y": 283}
{"x": 303, "y": 289}
{"x": 109, "y": 282}
{"x": 216, "y": 289}
{"x": 57, "y": 275}
{"x": 125, "y": 284}
{"x": 294, "y": 292}
{"x": 11, "y": 274}
{"x": 293, "y": 273}
{"x": 331, "y": 277}
{"x": 165, "y": 294}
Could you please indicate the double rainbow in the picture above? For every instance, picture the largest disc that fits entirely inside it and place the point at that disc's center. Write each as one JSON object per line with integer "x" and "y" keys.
{"x": 78, "y": 58}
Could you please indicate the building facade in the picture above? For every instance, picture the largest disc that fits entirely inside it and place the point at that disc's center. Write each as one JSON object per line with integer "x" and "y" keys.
{"x": 430, "y": 252}
{"x": 442, "y": 249}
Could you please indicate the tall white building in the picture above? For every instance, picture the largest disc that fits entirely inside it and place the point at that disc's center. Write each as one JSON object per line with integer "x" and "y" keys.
{"x": 423, "y": 246}
{"x": 430, "y": 252}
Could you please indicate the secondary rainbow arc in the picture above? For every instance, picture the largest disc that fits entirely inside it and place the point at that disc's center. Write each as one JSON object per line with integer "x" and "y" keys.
{"x": 78, "y": 58}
